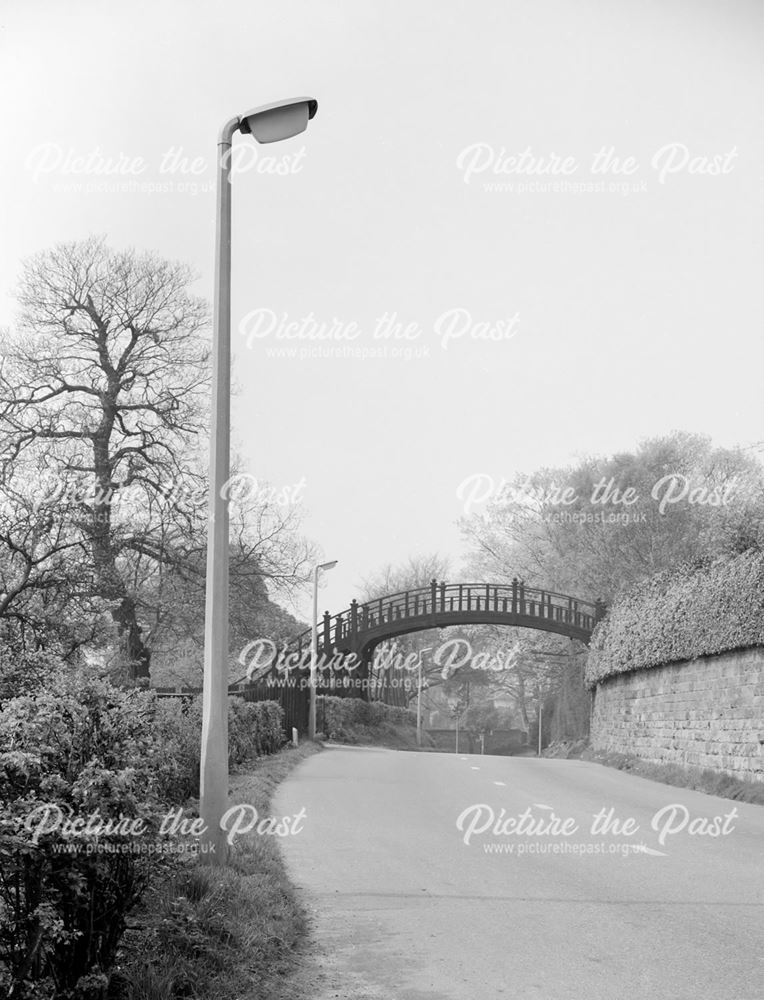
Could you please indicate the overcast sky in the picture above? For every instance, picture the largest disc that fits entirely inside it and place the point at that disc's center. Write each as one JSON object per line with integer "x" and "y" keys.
{"x": 622, "y": 305}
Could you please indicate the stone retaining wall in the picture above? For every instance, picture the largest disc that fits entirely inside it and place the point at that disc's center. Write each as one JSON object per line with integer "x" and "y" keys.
{"x": 707, "y": 712}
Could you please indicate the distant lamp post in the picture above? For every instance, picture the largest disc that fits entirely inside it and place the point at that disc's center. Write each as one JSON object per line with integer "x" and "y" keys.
{"x": 314, "y": 647}
{"x": 540, "y": 718}
{"x": 542, "y": 659}
{"x": 269, "y": 123}
{"x": 427, "y": 649}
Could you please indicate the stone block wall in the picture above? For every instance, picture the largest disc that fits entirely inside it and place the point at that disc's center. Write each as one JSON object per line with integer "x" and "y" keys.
{"x": 707, "y": 712}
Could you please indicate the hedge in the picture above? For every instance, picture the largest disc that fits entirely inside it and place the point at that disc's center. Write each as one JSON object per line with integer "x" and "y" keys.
{"x": 81, "y": 746}
{"x": 343, "y": 713}
{"x": 78, "y": 748}
{"x": 255, "y": 728}
{"x": 682, "y": 616}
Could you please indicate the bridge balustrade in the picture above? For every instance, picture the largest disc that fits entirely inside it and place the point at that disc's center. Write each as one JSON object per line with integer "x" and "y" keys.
{"x": 454, "y": 599}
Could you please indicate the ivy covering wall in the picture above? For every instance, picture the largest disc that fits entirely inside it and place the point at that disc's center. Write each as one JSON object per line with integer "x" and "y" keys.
{"x": 681, "y": 616}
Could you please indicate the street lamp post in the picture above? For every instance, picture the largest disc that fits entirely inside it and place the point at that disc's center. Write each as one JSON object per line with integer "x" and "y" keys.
{"x": 540, "y": 713}
{"x": 419, "y": 704}
{"x": 314, "y": 647}
{"x": 269, "y": 123}
{"x": 427, "y": 649}
{"x": 541, "y": 657}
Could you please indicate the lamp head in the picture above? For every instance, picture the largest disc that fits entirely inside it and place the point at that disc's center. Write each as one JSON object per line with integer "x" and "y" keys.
{"x": 281, "y": 120}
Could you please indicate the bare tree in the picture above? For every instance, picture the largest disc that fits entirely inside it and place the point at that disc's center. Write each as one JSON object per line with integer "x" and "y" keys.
{"x": 104, "y": 384}
{"x": 103, "y": 500}
{"x": 418, "y": 571}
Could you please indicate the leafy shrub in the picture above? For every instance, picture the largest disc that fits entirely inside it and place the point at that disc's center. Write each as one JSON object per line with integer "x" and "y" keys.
{"x": 255, "y": 728}
{"x": 179, "y": 724}
{"x": 342, "y": 714}
{"x": 690, "y": 613}
{"x": 24, "y": 672}
{"x": 82, "y": 746}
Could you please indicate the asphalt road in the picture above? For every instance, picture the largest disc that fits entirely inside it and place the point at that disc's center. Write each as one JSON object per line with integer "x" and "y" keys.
{"x": 404, "y": 909}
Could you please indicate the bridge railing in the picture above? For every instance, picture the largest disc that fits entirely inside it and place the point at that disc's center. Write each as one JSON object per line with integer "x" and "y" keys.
{"x": 407, "y": 605}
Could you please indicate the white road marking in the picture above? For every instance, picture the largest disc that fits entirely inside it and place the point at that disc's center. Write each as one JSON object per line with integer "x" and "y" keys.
{"x": 473, "y": 768}
{"x": 503, "y": 784}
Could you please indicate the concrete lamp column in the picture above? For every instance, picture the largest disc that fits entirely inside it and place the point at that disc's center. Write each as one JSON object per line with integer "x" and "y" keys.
{"x": 269, "y": 123}
{"x": 314, "y": 647}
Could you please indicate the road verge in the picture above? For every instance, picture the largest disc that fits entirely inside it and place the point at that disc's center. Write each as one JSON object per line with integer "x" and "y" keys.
{"x": 221, "y": 934}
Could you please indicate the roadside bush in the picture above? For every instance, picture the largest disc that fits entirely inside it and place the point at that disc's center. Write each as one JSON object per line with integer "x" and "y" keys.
{"x": 343, "y": 714}
{"x": 255, "y": 728}
{"x": 80, "y": 747}
{"x": 681, "y": 616}
{"x": 179, "y": 724}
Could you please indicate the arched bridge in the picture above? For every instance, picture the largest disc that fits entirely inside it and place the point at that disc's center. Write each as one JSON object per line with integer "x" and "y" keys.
{"x": 363, "y": 626}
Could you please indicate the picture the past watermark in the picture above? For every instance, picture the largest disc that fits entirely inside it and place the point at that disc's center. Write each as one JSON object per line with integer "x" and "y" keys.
{"x": 539, "y": 829}
{"x": 670, "y": 490}
{"x": 388, "y": 335}
{"x": 173, "y": 832}
{"x": 609, "y": 169}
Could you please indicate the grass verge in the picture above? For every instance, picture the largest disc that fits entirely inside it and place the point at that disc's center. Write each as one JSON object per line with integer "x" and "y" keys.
{"x": 220, "y": 934}
{"x": 565, "y": 749}
{"x": 696, "y": 778}
{"x": 387, "y": 734}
